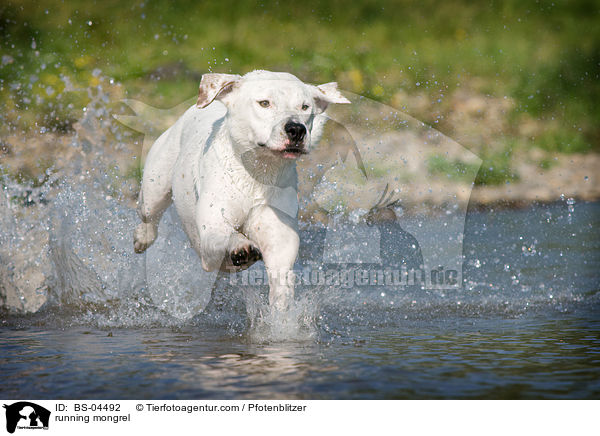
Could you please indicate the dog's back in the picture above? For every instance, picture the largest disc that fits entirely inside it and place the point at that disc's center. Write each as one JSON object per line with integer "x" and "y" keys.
{"x": 178, "y": 150}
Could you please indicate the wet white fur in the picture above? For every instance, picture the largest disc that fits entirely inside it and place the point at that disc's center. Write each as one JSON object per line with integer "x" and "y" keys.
{"x": 229, "y": 191}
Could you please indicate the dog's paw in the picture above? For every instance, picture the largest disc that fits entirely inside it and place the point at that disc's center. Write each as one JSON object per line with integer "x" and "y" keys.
{"x": 246, "y": 254}
{"x": 143, "y": 237}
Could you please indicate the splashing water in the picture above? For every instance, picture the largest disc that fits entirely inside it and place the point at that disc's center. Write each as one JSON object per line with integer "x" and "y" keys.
{"x": 66, "y": 247}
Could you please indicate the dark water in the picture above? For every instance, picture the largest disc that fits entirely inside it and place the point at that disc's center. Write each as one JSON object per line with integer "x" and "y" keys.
{"x": 525, "y": 325}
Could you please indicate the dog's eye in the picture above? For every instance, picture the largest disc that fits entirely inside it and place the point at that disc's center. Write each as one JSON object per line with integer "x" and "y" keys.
{"x": 305, "y": 107}
{"x": 264, "y": 103}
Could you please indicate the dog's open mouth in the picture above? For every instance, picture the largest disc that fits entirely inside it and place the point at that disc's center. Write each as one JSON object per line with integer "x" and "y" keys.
{"x": 293, "y": 152}
{"x": 296, "y": 150}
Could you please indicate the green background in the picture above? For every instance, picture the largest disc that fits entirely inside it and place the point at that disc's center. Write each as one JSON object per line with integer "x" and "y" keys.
{"x": 541, "y": 56}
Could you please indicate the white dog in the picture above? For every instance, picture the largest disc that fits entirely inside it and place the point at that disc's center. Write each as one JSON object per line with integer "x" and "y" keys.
{"x": 228, "y": 164}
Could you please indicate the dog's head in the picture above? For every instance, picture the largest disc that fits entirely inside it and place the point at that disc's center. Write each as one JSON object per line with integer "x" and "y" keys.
{"x": 270, "y": 111}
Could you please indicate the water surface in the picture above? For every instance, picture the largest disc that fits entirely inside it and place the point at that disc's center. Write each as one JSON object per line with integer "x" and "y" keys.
{"x": 525, "y": 325}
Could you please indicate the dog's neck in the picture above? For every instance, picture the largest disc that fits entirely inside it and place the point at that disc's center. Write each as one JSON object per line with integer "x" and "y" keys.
{"x": 267, "y": 168}
{"x": 255, "y": 167}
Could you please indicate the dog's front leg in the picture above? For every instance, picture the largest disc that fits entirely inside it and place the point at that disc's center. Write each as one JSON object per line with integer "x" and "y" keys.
{"x": 221, "y": 246}
{"x": 227, "y": 249}
{"x": 276, "y": 234}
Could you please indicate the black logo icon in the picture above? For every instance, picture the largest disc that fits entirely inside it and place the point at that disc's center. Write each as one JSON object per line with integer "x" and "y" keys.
{"x": 26, "y": 415}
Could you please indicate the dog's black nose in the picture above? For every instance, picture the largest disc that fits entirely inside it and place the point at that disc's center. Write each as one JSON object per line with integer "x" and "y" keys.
{"x": 295, "y": 131}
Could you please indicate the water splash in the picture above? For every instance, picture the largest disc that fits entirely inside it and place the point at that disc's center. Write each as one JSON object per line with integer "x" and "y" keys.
{"x": 295, "y": 324}
{"x": 65, "y": 245}
{"x": 570, "y": 209}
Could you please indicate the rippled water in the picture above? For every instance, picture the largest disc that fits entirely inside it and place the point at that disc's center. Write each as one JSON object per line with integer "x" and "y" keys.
{"x": 525, "y": 325}
{"x": 444, "y": 358}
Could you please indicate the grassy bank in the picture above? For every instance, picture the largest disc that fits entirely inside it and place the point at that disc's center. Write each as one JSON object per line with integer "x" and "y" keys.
{"x": 496, "y": 75}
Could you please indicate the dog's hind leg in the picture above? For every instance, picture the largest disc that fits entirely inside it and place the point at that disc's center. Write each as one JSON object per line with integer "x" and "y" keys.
{"x": 155, "y": 192}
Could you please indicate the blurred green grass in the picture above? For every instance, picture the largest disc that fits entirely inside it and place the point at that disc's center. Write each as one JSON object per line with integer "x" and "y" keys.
{"x": 545, "y": 56}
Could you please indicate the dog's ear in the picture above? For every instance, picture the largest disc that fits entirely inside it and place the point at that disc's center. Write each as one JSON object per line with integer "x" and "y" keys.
{"x": 328, "y": 93}
{"x": 214, "y": 86}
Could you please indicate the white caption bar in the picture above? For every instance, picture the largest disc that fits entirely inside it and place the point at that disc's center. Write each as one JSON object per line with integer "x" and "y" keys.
{"x": 262, "y": 417}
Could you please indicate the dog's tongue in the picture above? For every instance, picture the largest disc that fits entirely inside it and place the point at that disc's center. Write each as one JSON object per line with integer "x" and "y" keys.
{"x": 290, "y": 154}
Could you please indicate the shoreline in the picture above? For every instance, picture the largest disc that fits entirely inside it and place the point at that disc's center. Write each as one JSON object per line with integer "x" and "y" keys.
{"x": 28, "y": 160}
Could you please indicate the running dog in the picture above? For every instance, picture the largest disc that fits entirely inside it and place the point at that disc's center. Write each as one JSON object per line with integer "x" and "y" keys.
{"x": 228, "y": 164}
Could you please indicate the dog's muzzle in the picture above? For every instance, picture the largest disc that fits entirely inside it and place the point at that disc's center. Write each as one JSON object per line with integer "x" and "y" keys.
{"x": 296, "y": 133}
